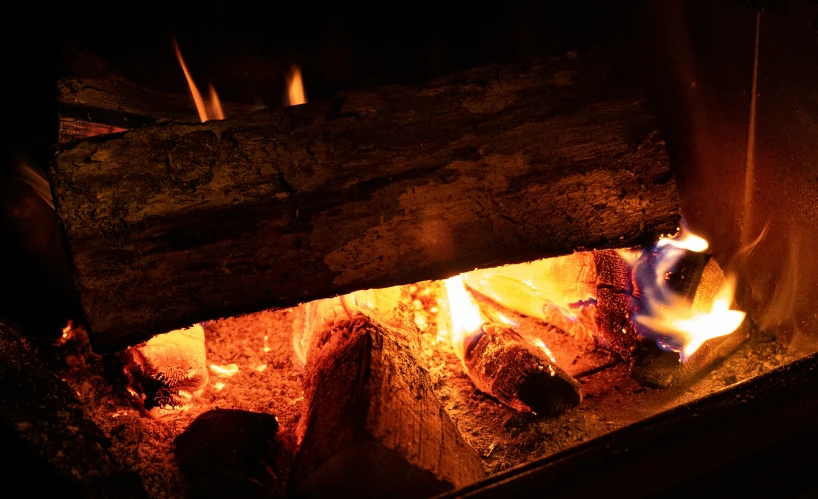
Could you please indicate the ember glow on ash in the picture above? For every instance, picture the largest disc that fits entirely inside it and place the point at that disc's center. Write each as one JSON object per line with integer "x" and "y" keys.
{"x": 673, "y": 320}
{"x": 224, "y": 371}
{"x": 464, "y": 314}
{"x": 213, "y": 111}
{"x": 295, "y": 87}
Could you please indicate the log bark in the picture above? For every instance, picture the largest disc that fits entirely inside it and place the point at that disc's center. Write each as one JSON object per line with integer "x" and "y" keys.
{"x": 174, "y": 224}
{"x": 46, "y": 435}
{"x": 373, "y": 426}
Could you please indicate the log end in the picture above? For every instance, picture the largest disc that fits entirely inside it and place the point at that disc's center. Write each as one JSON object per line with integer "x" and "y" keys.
{"x": 504, "y": 365}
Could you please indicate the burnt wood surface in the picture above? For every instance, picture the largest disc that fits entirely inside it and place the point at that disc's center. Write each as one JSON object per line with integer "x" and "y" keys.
{"x": 174, "y": 224}
{"x": 48, "y": 445}
{"x": 373, "y": 426}
{"x": 508, "y": 367}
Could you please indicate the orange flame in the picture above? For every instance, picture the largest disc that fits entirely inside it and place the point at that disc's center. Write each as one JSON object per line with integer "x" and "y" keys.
{"x": 295, "y": 87}
{"x": 464, "y": 313}
{"x": 683, "y": 327}
{"x": 215, "y": 106}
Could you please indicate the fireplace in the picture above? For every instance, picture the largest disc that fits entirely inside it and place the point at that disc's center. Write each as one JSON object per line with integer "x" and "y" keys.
{"x": 478, "y": 272}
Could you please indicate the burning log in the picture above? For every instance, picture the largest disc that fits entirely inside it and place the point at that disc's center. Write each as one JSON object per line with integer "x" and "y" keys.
{"x": 665, "y": 310}
{"x": 373, "y": 427}
{"x": 232, "y": 453}
{"x": 586, "y": 294}
{"x": 699, "y": 279}
{"x": 174, "y": 224}
{"x": 45, "y": 434}
{"x": 500, "y": 362}
{"x": 504, "y": 365}
{"x": 165, "y": 372}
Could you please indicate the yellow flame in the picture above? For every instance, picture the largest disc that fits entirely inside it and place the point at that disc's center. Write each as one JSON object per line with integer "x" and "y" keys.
{"x": 464, "y": 313}
{"x": 261, "y": 368}
{"x": 696, "y": 328}
{"x": 216, "y": 112}
{"x": 685, "y": 327}
{"x": 218, "y": 386}
{"x": 541, "y": 345}
{"x": 224, "y": 371}
{"x": 295, "y": 87}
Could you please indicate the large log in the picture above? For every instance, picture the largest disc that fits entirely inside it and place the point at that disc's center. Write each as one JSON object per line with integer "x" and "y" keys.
{"x": 372, "y": 426}
{"x": 174, "y": 224}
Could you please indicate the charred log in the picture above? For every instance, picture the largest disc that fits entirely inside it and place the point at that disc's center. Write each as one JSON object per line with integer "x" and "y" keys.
{"x": 504, "y": 365}
{"x": 232, "y": 453}
{"x": 373, "y": 426}
{"x": 45, "y": 434}
{"x": 174, "y": 224}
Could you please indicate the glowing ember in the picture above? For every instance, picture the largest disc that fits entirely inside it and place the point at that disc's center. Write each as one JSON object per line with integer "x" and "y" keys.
{"x": 541, "y": 345}
{"x": 66, "y": 331}
{"x": 464, "y": 313}
{"x": 678, "y": 324}
{"x": 215, "y": 106}
{"x": 295, "y": 87}
{"x": 224, "y": 371}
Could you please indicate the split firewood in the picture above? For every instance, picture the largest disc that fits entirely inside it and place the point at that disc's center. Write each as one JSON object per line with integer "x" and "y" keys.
{"x": 504, "y": 365}
{"x": 232, "y": 453}
{"x": 584, "y": 294}
{"x": 50, "y": 447}
{"x": 372, "y": 425}
{"x": 500, "y": 362}
{"x": 598, "y": 293}
{"x": 165, "y": 373}
{"x": 174, "y": 224}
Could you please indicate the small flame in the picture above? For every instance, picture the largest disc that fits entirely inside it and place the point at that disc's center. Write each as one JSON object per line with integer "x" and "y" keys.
{"x": 224, "y": 371}
{"x": 261, "y": 368}
{"x": 541, "y": 345}
{"x": 215, "y": 106}
{"x": 295, "y": 87}
{"x": 680, "y": 327}
{"x": 464, "y": 313}
{"x": 218, "y": 386}
{"x": 66, "y": 331}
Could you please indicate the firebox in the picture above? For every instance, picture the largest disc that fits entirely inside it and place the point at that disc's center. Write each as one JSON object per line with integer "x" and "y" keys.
{"x": 542, "y": 249}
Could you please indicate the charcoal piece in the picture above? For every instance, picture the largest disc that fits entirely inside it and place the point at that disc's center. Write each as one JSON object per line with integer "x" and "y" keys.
{"x": 233, "y": 453}
{"x": 49, "y": 447}
{"x": 504, "y": 365}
